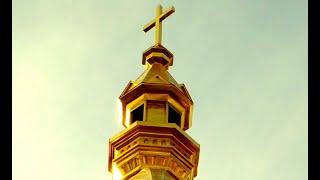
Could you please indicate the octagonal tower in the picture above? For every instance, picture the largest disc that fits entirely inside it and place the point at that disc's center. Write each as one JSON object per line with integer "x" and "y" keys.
{"x": 156, "y": 111}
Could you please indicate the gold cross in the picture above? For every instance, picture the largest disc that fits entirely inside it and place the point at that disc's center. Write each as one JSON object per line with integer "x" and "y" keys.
{"x": 157, "y": 22}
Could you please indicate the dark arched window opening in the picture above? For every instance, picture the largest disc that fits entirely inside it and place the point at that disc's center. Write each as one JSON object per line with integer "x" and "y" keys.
{"x": 174, "y": 116}
{"x": 137, "y": 114}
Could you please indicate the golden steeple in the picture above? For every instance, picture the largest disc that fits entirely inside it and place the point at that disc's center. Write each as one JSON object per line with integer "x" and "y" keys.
{"x": 156, "y": 111}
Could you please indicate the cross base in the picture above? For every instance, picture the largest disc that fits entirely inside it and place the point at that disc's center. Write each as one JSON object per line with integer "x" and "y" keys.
{"x": 157, "y": 54}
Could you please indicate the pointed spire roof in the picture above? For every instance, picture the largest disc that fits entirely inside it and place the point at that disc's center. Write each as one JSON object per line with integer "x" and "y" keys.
{"x": 156, "y": 74}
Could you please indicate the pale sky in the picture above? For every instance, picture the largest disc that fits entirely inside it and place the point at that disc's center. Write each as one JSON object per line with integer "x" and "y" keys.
{"x": 244, "y": 63}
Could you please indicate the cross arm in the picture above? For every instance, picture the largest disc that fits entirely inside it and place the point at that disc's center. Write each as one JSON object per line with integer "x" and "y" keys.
{"x": 150, "y": 25}
{"x": 164, "y": 15}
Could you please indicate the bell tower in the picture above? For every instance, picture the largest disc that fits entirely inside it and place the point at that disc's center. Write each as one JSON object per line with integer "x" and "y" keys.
{"x": 156, "y": 112}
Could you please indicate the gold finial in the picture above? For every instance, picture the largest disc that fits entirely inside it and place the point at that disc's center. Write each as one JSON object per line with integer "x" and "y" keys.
{"x": 157, "y": 22}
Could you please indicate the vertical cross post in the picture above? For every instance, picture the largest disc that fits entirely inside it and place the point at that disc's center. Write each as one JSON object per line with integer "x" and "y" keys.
{"x": 158, "y": 27}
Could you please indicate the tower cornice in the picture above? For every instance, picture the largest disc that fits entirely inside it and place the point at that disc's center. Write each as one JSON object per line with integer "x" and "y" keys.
{"x": 147, "y": 144}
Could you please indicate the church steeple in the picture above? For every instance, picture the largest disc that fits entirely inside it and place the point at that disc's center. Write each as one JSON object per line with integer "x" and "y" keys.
{"x": 156, "y": 111}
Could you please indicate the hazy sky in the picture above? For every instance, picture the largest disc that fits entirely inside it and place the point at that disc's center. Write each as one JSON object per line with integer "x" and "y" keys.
{"x": 244, "y": 63}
